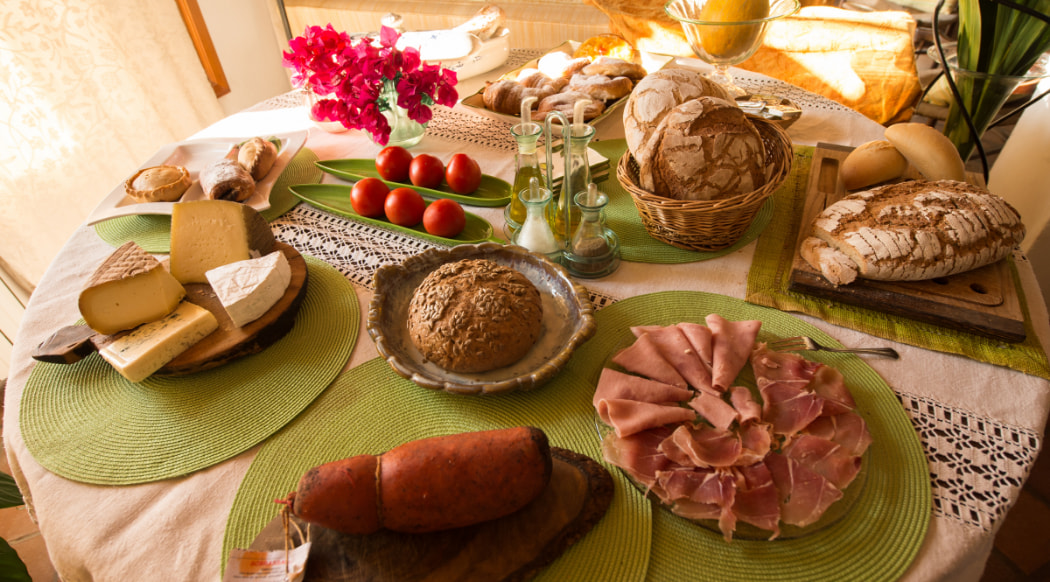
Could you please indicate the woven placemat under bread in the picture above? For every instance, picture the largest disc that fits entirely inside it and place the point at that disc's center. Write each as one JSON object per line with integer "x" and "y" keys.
{"x": 370, "y": 410}
{"x": 893, "y": 506}
{"x": 769, "y": 277}
{"x": 85, "y": 422}
{"x": 152, "y": 232}
{"x": 636, "y": 245}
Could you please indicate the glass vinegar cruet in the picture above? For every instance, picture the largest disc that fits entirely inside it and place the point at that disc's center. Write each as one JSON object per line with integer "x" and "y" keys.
{"x": 595, "y": 249}
{"x": 535, "y": 233}
{"x": 563, "y": 214}
{"x": 527, "y": 165}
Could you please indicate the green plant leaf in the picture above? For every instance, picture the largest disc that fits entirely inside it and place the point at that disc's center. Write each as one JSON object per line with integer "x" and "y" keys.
{"x": 10, "y": 496}
{"x": 12, "y": 569}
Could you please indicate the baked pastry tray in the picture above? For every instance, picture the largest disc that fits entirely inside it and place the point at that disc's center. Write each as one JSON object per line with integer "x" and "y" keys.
{"x": 983, "y": 301}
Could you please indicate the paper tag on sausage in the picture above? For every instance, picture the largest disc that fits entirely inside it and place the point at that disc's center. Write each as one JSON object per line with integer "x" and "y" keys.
{"x": 254, "y": 566}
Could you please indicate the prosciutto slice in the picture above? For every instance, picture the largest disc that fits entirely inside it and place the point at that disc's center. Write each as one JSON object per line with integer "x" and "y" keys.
{"x": 701, "y": 447}
{"x": 676, "y": 349}
{"x": 804, "y": 494}
{"x": 643, "y": 357}
{"x": 714, "y": 410}
{"x": 783, "y": 380}
{"x": 628, "y": 417}
{"x": 731, "y": 344}
{"x": 756, "y": 500}
{"x": 831, "y": 386}
{"x": 616, "y": 385}
{"x": 638, "y": 454}
{"x": 756, "y": 440}
{"x": 824, "y": 457}
{"x": 848, "y": 430}
{"x": 703, "y": 494}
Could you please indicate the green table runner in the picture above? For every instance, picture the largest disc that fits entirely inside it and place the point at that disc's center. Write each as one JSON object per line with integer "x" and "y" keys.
{"x": 85, "y": 422}
{"x": 768, "y": 279}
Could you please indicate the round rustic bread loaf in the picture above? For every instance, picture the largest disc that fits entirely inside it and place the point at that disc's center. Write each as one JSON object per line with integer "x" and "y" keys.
{"x": 703, "y": 149}
{"x": 475, "y": 315}
{"x": 656, "y": 95}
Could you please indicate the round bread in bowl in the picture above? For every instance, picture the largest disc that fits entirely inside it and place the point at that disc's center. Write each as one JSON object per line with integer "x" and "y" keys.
{"x": 568, "y": 320}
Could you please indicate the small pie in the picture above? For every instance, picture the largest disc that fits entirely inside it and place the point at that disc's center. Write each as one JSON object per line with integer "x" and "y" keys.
{"x": 158, "y": 184}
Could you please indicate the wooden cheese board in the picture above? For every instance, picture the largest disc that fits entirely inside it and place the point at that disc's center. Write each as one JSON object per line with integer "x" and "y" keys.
{"x": 512, "y": 548}
{"x": 983, "y": 301}
{"x": 229, "y": 342}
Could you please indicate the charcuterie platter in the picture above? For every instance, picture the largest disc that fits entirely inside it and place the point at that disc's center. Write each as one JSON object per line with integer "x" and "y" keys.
{"x": 983, "y": 301}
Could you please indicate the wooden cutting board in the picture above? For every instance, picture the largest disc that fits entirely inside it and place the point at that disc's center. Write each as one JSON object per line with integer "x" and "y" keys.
{"x": 512, "y": 548}
{"x": 983, "y": 301}
{"x": 227, "y": 343}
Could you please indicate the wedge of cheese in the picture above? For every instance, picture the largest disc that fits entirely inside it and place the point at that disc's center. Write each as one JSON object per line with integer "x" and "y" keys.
{"x": 146, "y": 349}
{"x": 129, "y": 288}
{"x": 206, "y": 234}
{"x": 248, "y": 289}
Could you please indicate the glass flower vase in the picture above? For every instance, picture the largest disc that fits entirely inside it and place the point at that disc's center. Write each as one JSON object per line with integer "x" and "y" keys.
{"x": 404, "y": 131}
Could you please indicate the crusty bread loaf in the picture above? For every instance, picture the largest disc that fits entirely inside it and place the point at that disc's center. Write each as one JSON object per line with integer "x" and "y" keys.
{"x": 474, "y": 316}
{"x": 930, "y": 151}
{"x": 657, "y": 94}
{"x": 703, "y": 149}
{"x": 912, "y": 231}
{"x": 872, "y": 163}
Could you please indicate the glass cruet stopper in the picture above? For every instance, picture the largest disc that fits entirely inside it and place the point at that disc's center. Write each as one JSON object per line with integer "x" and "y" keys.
{"x": 595, "y": 249}
{"x": 535, "y": 233}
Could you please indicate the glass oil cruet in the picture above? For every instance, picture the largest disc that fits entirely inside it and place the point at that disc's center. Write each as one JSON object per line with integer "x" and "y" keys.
{"x": 527, "y": 165}
{"x": 535, "y": 233}
{"x": 595, "y": 249}
{"x": 563, "y": 214}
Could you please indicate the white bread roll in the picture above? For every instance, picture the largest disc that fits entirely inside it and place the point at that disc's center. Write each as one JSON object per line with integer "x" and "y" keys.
{"x": 872, "y": 163}
{"x": 655, "y": 95}
{"x": 703, "y": 149}
{"x": 930, "y": 151}
{"x": 912, "y": 231}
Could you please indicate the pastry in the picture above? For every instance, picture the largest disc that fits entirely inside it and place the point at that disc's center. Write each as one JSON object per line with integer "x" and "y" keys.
{"x": 559, "y": 64}
{"x": 257, "y": 155}
{"x": 566, "y": 103}
{"x": 226, "y": 179}
{"x": 475, "y": 315}
{"x": 614, "y": 67}
{"x": 600, "y": 86}
{"x": 505, "y": 96}
{"x": 158, "y": 184}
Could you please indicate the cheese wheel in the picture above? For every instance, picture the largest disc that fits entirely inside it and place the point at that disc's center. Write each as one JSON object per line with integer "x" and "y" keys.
{"x": 206, "y": 234}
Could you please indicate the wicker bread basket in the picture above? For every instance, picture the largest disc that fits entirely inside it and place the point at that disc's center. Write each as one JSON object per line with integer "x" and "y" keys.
{"x": 709, "y": 225}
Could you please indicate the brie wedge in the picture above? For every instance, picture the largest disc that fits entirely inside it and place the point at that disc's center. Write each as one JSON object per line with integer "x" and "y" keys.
{"x": 248, "y": 289}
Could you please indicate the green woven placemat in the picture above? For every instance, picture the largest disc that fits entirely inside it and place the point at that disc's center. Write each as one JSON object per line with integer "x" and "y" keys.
{"x": 369, "y": 410}
{"x": 876, "y": 540}
{"x": 152, "y": 232}
{"x": 636, "y": 245}
{"x": 87, "y": 423}
{"x": 769, "y": 277}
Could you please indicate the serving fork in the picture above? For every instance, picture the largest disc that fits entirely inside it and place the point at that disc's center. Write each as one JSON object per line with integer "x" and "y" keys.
{"x": 803, "y": 343}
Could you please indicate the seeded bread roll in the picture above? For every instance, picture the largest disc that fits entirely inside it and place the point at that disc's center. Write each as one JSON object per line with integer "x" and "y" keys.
{"x": 912, "y": 231}
{"x": 703, "y": 149}
{"x": 474, "y": 316}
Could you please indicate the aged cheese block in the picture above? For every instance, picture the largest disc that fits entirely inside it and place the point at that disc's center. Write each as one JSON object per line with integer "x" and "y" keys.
{"x": 912, "y": 231}
{"x": 206, "y": 234}
{"x": 248, "y": 289}
{"x": 146, "y": 349}
{"x": 129, "y": 288}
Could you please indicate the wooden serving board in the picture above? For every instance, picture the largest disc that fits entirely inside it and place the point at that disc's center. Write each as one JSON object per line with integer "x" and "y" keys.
{"x": 983, "y": 301}
{"x": 227, "y": 343}
{"x": 511, "y": 548}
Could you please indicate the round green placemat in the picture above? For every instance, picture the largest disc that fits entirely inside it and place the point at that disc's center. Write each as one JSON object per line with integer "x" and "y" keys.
{"x": 636, "y": 245}
{"x": 369, "y": 410}
{"x": 876, "y": 540}
{"x": 87, "y": 423}
{"x": 152, "y": 232}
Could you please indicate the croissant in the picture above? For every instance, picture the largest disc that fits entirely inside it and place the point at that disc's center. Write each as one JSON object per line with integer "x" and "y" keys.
{"x": 505, "y": 96}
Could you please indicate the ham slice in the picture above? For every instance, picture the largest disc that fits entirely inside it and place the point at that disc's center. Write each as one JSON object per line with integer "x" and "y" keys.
{"x": 756, "y": 500}
{"x": 848, "y": 430}
{"x": 701, "y": 447}
{"x": 643, "y": 357}
{"x": 714, "y": 410}
{"x": 744, "y": 403}
{"x": 616, "y": 385}
{"x": 676, "y": 349}
{"x": 628, "y": 417}
{"x": 732, "y": 342}
{"x": 638, "y": 454}
{"x": 824, "y": 457}
{"x": 804, "y": 494}
{"x": 699, "y": 337}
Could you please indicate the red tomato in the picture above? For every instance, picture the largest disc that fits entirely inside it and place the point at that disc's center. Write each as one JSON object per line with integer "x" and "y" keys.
{"x": 463, "y": 174}
{"x": 368, "y": 197}
{"x": 426, "y": 171}
{"x": 445, "y": 218}
{"x": 404, "y": 207}
{"x": 393, "y": 163}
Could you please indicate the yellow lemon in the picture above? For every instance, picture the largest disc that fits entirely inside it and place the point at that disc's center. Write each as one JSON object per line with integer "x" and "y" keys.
{"x": 733, "y": 40}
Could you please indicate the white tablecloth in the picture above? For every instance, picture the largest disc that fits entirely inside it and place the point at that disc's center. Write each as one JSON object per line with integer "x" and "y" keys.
{"x": 981, "y": 425}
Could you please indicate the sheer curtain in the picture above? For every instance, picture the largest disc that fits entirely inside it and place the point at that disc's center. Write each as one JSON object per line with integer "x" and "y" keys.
{"x": 90, "y": 89}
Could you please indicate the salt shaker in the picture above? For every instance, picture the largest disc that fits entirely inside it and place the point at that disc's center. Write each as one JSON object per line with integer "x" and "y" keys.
{"x": 535, "y": 233}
